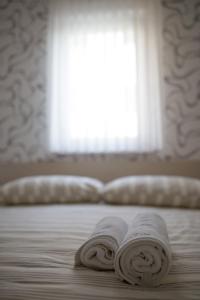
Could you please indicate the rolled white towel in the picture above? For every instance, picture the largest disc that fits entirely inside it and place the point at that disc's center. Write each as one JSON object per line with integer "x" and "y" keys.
{"x": 99, "y": 250}
{"x": 144, "y": 256}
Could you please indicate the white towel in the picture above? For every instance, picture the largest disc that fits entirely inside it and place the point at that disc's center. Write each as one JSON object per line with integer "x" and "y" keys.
{"x": 144, "y": 256}
{"x": 99, "y": 250}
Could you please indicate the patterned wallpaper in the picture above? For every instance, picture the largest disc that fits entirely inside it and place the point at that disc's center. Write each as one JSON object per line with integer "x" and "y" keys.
{"x": 23, "y": 129}
{"x": 181, "y": 34}
{"x": 22, "y": 79}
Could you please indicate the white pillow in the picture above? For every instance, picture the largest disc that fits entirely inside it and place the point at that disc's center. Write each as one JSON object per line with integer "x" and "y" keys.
{"x": 50, "y": 189}
{"x": 154, "y": 190}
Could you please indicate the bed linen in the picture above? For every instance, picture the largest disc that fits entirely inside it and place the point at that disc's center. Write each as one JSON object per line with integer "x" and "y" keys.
{"x": 38, "y": 244}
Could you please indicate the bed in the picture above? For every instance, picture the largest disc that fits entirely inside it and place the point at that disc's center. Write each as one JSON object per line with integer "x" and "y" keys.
{"x": 38, "y": 244}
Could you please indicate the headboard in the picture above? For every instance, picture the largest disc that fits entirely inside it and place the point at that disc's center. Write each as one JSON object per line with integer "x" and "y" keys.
{"x": 103, "y": 169}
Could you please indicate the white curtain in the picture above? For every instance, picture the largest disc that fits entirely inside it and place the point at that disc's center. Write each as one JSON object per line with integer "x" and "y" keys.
{"x": 104, "y": 76}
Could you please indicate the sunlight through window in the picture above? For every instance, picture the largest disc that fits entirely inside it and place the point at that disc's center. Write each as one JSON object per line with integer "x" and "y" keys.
{"x": 104, "y": 76}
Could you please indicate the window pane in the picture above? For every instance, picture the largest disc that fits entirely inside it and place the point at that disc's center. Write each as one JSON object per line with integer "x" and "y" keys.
{"x": 104, "y": 76}
{"x": 102, "y": 86}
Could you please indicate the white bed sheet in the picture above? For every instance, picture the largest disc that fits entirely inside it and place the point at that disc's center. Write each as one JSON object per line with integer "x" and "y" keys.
{"x": 38, "y": 243}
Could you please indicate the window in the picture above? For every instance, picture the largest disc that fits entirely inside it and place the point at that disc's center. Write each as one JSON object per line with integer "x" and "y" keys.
{"x": 104, "y": 77}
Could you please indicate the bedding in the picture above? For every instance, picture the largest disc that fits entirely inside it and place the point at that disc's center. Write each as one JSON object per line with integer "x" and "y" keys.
{"x": 172, "y": 191}
{"x": 38, "y": 244}
{"x": 50, "y": 189}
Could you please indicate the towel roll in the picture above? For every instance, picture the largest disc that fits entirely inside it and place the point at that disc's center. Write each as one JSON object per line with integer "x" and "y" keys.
{"x": 144, "y": 256}
{"x": 99, "y": 250}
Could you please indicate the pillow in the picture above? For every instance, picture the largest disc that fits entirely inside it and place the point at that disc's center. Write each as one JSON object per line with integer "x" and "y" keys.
{"x": 154, "y": 190}
{"x": 50, "y": 189}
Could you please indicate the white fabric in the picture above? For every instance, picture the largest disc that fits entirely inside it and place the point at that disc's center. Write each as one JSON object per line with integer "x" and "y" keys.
{"x": 38, "y": 244}
{"x": 50, "y": 189}
{"x": 99, "y": 251}
{"x": 104, "y": 76}
{"x": 155, "y": 190}
{"x": 144, "y": 257}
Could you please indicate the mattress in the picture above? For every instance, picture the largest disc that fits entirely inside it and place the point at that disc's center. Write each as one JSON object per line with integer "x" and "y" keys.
{"x": 38, "y": 243}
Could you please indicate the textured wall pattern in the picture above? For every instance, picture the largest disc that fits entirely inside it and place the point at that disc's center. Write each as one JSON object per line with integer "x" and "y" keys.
{"x": 182, "y": 77}
{"x": 23, "y": 130}
{"x": 22, "y": 79}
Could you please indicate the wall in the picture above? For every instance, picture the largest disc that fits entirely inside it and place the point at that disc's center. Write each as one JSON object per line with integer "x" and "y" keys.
{"x": 23, "y": 126}
{"x": 181, "y": 32}
{"x": 22, "y": 79}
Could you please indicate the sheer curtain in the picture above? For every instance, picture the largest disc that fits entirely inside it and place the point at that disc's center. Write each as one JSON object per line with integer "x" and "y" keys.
{"x": 104, "y": 76}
